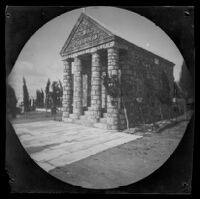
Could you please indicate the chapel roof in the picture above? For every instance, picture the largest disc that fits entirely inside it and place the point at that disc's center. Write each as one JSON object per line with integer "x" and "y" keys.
{"x": 110, "y": 31}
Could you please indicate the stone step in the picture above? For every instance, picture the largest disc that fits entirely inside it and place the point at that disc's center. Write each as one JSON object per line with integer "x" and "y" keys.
{"x": 83, "y": 117}
{"x": 83, "y": 122}
{"x": 105, "y": 115}
{"x": 86, "y": 113}
{"x": 73, "y": 116}
{"x": 67, "y": 119}
{"x": 89, "y": 108}
{"x": 100, "y": 125}
{"x": 103, "y": 120}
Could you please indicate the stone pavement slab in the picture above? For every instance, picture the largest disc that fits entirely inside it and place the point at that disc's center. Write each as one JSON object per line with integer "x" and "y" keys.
{"x": 64, "y": 143}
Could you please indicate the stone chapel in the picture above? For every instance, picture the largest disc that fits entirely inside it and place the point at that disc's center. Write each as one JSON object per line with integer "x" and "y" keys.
{"x": 91, "y": 50}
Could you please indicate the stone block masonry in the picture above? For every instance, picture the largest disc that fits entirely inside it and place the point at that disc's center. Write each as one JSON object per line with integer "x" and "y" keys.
{"x": 77, "y": 104}
{"x": 96, "y": 87}
{"x": 67, "y": 89}
{"x": 112, "y": 103}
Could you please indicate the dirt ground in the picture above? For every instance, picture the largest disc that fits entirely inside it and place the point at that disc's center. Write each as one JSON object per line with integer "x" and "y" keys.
{"x": 124, "y": 164}
{"x": 121, "y": 165}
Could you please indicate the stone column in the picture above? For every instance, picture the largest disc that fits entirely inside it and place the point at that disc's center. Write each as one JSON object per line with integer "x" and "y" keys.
{"x": 78, "y": 93}
{"x": 96, "y": 87}
{"x": 103, "y": 96}
{"x": 113, "y": 103}
{"x": 103, "y": 89}
{"x": 67, "y": 89}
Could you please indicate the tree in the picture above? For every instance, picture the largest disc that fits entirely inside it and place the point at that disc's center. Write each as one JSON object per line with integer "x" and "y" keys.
{"x": 187, "y": 88}
{"x": 42, "y": 99}
{"x": 34, "y": 104}
{"x": 11, "y": 101}
{"x": 116, "y": 89}
{"x": 37, "y": 102}
{"x": 55, "y": 94}
{"x": 47, "y": 94}
{"x": 177, "y": 94}
{"x": 25, "y": 96}
{"x": 60, "y": 93}
{"x": 185, "y": 83}
{"x": 30, "y": 104}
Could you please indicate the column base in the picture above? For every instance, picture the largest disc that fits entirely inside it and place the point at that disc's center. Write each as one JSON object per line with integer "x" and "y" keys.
{"x": 113, "y": 131}
{"x": 65, "y": 115}
{"x": 74, "y": 116}
{"x": 65, "y": 119}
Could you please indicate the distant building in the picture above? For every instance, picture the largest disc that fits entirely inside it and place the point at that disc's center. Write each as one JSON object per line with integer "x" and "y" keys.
{"x": 94, "y": 50}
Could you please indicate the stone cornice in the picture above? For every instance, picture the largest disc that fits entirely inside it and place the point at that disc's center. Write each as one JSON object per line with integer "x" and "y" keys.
{"x": 90, "y": 50}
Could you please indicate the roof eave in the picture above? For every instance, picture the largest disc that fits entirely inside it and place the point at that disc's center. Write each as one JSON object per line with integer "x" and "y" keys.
{"x": 117, "y": 38}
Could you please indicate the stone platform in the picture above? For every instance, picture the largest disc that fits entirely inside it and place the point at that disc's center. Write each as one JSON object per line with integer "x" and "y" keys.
{"x": 87, "y": 120}
{"x": 54, "y": 144}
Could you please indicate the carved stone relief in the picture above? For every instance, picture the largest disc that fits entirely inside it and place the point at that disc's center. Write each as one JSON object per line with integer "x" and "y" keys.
{"x": 85, "y": 35}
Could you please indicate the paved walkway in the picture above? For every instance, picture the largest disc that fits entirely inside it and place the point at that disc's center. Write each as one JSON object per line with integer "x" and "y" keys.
{"x": 54, "y": 144}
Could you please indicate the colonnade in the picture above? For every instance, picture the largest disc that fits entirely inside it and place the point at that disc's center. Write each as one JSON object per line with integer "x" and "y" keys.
{"x": 73, "y": 104}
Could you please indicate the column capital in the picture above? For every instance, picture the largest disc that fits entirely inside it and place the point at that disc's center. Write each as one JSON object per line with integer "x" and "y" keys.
{"x": 67, "y": 65}
{"x": 95, "y": 52}
{"x": 77, "y": 58}
{"x": 66, "y": 59}
{"x": 113, "y": 48}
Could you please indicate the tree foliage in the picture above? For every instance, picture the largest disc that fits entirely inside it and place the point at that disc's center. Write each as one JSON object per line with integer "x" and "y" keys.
{"x": 61, "y": 93}
{"x": 11, "y": 101}
{"x": 47, "y": 94}
{"x": 177, "y": 91}
{"x": 52, "y": 98}
{"x": 39, "y": 98}
{"x": 116, "y": 89}
{"x": 25, "y": 96}
{"x": 56, "y": 96}
{"x": 112, "y": 85}
{"x": 185, "y": 82}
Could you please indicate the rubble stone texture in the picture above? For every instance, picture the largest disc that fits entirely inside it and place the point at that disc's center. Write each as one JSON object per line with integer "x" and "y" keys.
{"x": 113, "y": 103}
{"x": 67, "y": 89}
{"x": 77, "y": 104}
{"x": 96, "y": 87}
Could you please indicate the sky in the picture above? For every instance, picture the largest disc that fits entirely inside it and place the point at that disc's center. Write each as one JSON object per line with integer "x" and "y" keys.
{"x": 40, "y": 58}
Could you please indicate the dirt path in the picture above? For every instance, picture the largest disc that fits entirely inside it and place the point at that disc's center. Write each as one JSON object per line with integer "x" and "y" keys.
{"x": 123, "y": 164}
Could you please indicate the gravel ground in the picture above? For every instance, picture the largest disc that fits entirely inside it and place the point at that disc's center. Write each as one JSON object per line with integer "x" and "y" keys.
{"x": 121, "y": 165}
{"x": 124, "y": 164}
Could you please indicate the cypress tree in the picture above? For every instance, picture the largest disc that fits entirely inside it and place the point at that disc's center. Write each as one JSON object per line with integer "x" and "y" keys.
{"x": 47, "y": 94}
{"x": 60, "y": 93}
{"x": 11, "y": 101}
{"x": 42, "y": 99}
{"x": 25, "y": 96}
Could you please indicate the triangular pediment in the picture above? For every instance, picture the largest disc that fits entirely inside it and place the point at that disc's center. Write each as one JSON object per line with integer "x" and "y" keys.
{"x": 86, "y": 33}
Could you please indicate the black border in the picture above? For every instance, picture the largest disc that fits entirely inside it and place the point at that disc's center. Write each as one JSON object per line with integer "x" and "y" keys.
{"x": 183, "y": 42}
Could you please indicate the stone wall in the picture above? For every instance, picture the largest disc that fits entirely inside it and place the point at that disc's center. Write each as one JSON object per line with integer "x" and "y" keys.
{"x": 143, "y": 74}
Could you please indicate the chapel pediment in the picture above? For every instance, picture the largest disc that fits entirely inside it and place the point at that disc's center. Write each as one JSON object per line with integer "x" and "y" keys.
{"x": 85, "y": 34}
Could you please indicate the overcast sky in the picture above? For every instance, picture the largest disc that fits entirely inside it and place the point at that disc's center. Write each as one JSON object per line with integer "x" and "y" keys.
{"x": 40, "y": 59}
